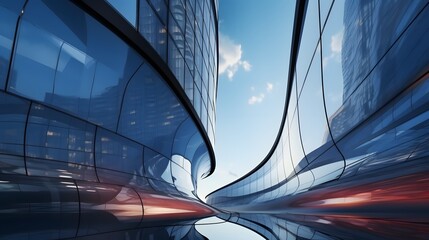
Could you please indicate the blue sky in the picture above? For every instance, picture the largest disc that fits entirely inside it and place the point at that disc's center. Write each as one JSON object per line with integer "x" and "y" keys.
{"x": 254, "y": 38}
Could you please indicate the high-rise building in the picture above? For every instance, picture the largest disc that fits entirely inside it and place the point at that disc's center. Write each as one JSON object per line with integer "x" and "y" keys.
{"x": 107, "y": 113}
{"x": 354, "y": 135}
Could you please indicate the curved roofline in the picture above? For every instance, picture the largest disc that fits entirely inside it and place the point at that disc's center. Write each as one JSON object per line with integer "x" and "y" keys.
{"x": 106, "y": 15}
{"x": 296, "y": 36}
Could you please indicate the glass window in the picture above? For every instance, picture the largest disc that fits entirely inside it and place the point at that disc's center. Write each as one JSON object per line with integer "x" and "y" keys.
{"x": 74, "y": 80}
{"x": 55, "y": 136}
{"x": 312, "y": 118}
{"x": 333, "y": 81}
{"x": 189, "y": 84}
{"x": 86, "y": 54}
{"x": 13, "y": 115}
{"x": 113, "y": 71}
{"x": 34, "y": 67}
{"x": 177, "y": 35}
{"x": 329, "y": 166}
{"x": 157, "y": 166}
{"x": 118, "y": 153}
{"x": 128, "y": 9}
{"x": 9, "y": 12}
{"x": 160, "y": 8}
{"x": 189, "y": 58}
{"x": 152, "y": 29}
{"x": 178, "y": 13}
{"x": 182, "y": 180}
{"x": 176, "y": 62}
{"x": 298, "y": 158}
{"x": 325, "y": 6}
{"x": 310, "y": 37}
{"x": 151, "y": 112}
{"x": 197, "y": 101}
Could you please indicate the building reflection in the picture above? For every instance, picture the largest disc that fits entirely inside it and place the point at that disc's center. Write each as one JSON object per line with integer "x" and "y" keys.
{"x": 351, "y": 153}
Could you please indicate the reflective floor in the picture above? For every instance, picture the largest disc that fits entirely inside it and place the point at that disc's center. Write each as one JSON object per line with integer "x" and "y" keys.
{"x": 263, "y": 226}
{"x": 255, "y": 226}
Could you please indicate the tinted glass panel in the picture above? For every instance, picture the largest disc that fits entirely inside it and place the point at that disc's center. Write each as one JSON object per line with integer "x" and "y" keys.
{"x": 312, "y": 118}
{"x": 118, "y": 153}
{"x": 152, "y": 29}
{"x": 55, "y": 136}
{"x": 9, "y": 12}
{"x": 13, "y": 115}
{"x": 151, "y": 112}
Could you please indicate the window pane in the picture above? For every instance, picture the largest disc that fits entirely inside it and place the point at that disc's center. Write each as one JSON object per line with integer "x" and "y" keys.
{"x": 13, "y": 114}
{"x": 9, "y": 12}
{"x": 152, "y": 29}
{"x": 151, "y": 112}
{"x": 157, "y": 166}
{"x": 127, "y": 8}
{"x": 118, "y": 153}
{"x": 312, "y": 118}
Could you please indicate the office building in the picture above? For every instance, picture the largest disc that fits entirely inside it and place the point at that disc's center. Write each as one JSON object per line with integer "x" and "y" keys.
{"x": 107, "y": 113}
{"x": 354, "y": 131}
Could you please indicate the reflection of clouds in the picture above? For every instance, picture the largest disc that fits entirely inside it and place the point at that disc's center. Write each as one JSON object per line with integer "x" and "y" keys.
{"x": 230, "y": 57}
{"x": 335, "y": 98}
{"x": 336, "y": 48}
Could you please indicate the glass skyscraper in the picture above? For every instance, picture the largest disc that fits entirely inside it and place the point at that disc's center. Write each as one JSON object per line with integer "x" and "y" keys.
{"x": 354, "y": 135}
{"x": 107, "y": 113}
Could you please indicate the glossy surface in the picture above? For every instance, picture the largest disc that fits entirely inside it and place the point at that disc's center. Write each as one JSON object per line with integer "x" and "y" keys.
{"x": 53, "y": 208}
{"x": 92, "y": 138}
{"x": 184, "y": 34}
{"x": 74, "y": 103}
{"x": 355, "y": 135}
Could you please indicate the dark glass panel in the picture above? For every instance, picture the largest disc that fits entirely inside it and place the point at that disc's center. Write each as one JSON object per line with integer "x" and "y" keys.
{"x": 151, "y": 112}
{"x": 13, "y": 115}
{"x": 9, "y": 12}
{"x": 176, "y": 61}
{"x": 35, "y": 63}
{"x": 152, "y": 29}
{"x": 27, "y": 200}
{"x": 56, "y": 136}
{"x": 177, "y": 9}
{"x": 115, "y": 152}
{"x": 74, "y": 80}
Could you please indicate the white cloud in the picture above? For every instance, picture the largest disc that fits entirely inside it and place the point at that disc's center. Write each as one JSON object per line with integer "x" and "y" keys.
{"x": 246, "y": 65}
{"x": 256, "y": 99}
{"x": 337, "y": 42}
{"x": 259, "y": 98}
{"x": 230, "y": 57}
{"x": 270, "y": 87}
{"x": 336, "y": 48}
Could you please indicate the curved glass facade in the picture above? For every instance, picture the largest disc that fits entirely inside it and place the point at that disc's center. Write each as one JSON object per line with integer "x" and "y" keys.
{"x": 356, "y": 116}
{"x": 183, "y": 33}
{"x": 91, "y": 125}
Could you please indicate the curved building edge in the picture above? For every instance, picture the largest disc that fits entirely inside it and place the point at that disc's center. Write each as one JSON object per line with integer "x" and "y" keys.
{"x": 74, "y": 84}
{"x": 355, "y": 115}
